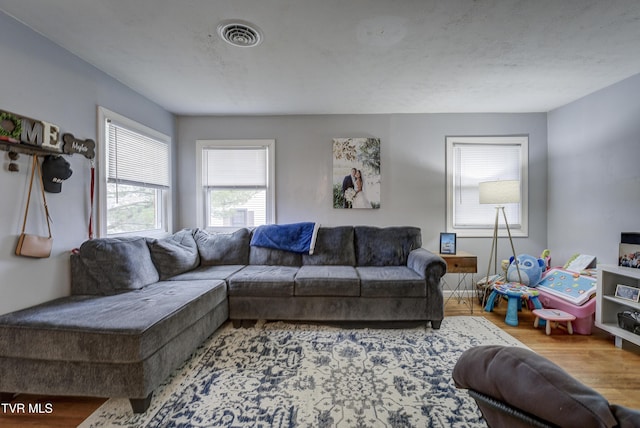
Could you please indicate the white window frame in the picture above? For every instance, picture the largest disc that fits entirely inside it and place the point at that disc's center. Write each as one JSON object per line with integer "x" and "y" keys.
{"x": 165, "y": 211}
{"x": 222, "y": 144}
{"x": 487, "y": 230}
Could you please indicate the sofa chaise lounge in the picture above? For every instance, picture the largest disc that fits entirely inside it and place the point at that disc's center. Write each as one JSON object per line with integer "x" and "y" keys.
{"x": 138, "y": 307}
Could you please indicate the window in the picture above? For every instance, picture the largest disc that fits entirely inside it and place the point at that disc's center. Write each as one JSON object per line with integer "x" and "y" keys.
{"x": 235, "y": 179}
{"x": 473, "y": 160}
{"x": 135, "y": 177}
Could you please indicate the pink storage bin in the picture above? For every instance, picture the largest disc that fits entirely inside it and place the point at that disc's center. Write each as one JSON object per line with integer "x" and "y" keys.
{"x": 584, "y": 314}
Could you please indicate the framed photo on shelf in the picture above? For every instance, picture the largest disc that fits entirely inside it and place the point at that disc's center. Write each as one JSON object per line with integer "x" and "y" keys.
{"x": 447, "y": 243}
{"x": 628, "y": 293}
{"x": 629, "y": 255}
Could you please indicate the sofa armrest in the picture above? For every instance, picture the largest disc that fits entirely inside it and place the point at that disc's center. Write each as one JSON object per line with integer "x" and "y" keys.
{"x": 560, "y": 399}
{"x": 627, "y": 418}
{"x": 427, "y": 264}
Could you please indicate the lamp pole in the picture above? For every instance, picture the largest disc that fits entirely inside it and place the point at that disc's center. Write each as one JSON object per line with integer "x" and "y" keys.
{"x": 493, "y": 254}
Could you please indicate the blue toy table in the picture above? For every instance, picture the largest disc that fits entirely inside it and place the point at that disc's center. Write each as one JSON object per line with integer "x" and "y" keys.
{"x": 515, "y": 293}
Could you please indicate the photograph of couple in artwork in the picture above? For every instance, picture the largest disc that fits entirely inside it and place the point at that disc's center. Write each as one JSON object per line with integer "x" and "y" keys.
{"x": 356, "y": 173}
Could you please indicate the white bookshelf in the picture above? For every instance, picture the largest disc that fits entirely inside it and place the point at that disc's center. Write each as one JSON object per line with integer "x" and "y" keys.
{"x": 608, "y": 305}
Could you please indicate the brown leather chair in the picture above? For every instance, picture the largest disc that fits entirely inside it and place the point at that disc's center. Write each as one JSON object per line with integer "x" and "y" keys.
{"x": 515, "y": 387}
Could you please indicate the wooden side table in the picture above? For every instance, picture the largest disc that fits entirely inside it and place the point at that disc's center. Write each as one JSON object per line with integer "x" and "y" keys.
{"x": 464, "y": 264}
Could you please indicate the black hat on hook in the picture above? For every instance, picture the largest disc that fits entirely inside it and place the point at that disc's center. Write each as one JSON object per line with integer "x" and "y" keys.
{"x": 55, "y": 169}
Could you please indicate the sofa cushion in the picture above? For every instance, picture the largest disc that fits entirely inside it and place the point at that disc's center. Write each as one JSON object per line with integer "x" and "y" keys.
{"x": 334, "y": 246}
{"x": 388, "y": 246}
{"x": 258, "y": 280}
{"x": 208, "y": 272}
{"x": 112, "y": 265}
{"x": 125, "y": 327}
{"x": 270, "y": 256}
{"x": 327, "y": 281}
{"x": 516, "y": 375}
{"x": 223, "y": 248}
{"x": 175, "y": 254}
{"x": 391, "y": 281}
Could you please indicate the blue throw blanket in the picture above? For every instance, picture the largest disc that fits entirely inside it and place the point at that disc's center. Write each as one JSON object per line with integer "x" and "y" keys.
{"x": 295, "y": 237}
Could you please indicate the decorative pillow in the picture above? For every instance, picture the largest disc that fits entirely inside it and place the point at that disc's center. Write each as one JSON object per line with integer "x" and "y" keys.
{"x": 175, "y": 254}
{"x": 386, "y": 246}
{"x": 223, "y": 248}
{"x": 271, "y": 257}
{"x": 334, "y": 246}
{"x": 117, "y": 265}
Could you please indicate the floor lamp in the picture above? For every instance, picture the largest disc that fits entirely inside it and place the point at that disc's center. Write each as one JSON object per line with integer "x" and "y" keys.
{"x": 499, "y": 193}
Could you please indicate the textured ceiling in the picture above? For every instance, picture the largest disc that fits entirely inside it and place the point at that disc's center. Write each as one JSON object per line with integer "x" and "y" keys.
{"x": 350, "y": 56}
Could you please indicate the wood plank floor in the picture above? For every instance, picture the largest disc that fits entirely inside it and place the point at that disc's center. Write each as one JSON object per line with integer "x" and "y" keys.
{"x": 594, "y": 360}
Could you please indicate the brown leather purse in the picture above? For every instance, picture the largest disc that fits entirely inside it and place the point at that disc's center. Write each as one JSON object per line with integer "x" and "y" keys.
{"x": 30, "y": 245}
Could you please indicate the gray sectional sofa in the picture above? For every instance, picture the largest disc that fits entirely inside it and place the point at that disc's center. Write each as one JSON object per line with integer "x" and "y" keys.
{"x": 138, "y": 307}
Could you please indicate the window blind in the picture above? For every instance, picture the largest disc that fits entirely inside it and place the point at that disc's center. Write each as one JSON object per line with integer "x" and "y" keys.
{"x": 235, "y": 167}
{"x": 136, "y": 159}
{"x": 474, "y": 164}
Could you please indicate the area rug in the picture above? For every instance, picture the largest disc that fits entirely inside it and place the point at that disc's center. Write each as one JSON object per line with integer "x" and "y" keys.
{"x": 307, "y": 375}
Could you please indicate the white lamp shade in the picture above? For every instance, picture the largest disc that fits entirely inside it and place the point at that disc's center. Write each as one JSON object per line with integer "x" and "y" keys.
{"x": 500, "y": 192}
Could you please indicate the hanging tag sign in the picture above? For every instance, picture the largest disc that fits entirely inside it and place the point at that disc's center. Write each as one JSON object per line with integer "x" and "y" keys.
{"x": 87, "y": 148}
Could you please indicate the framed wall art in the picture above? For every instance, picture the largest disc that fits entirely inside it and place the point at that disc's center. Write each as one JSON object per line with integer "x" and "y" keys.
{"x": 356, "y": 173}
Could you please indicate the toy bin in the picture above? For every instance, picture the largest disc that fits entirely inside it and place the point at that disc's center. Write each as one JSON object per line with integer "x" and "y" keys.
{"x": 584, "y": 314}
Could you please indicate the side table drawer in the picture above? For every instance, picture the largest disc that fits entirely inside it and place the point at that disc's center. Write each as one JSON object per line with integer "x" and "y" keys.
{"x": 462, "y": 262}
{"x": 462, "y": 265}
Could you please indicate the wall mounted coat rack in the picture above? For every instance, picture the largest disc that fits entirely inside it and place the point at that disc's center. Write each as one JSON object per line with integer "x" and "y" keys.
{"x": 22, "y": 134}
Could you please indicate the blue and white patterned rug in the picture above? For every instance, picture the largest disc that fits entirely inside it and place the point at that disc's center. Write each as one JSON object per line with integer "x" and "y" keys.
{"x": 300, "y": 375}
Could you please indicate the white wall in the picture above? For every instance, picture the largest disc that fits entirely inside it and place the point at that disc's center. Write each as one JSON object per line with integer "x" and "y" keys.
{"x": 45, "y": 82}
{"x": 412, "y": 168}
{"x": 594, "y": 172}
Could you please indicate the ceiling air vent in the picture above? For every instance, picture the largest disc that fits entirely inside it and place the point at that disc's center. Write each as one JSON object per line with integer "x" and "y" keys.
{"x": 240, "y": 33}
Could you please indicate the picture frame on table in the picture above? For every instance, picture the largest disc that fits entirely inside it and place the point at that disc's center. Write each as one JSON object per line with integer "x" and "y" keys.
{"x": 627, "y": 293}
{"x": 447, "y": 243}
